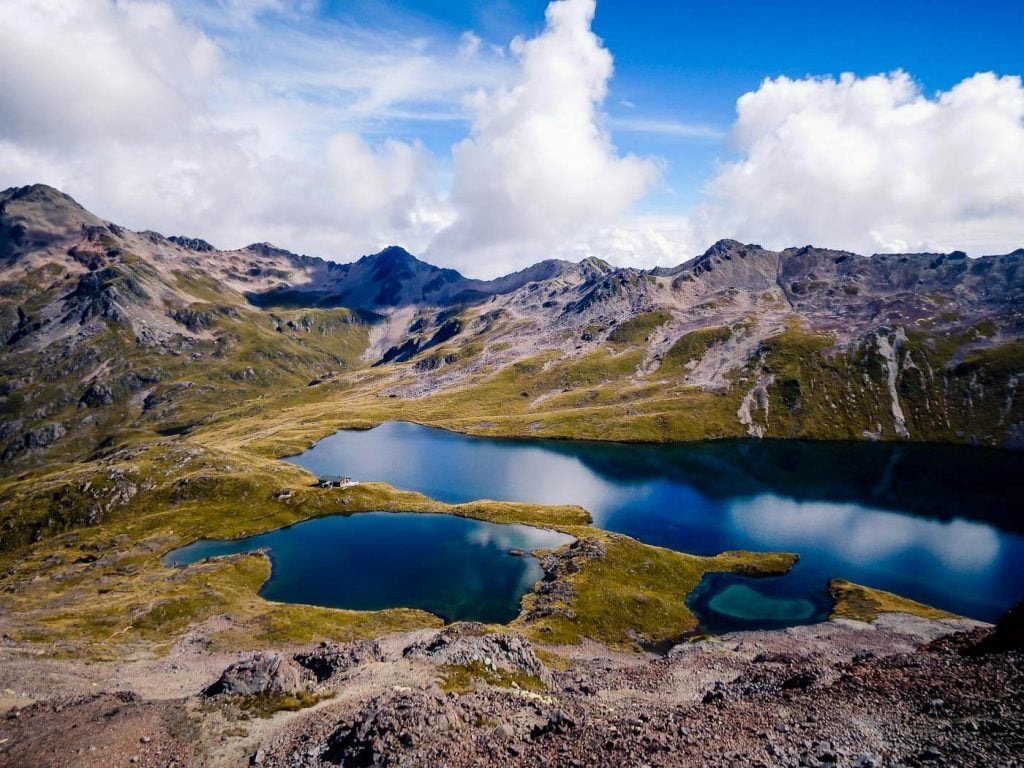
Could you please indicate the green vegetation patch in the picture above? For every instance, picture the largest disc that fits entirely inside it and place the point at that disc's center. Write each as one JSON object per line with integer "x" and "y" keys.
{"x": 638, "y": 329}
{"x": 693, "y": 346}
{"x": 635, "y": 595}
{"x": 264, "y": 705}
{"x": 852, "y": 601}
{"x": 461, "y": 678}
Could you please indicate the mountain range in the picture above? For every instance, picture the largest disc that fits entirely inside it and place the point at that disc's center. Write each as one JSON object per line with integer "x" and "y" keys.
{"x": 112, "y": 336}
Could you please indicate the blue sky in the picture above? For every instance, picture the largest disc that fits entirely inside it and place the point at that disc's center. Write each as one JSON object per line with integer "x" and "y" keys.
{"x": 489, "y": 134}
{"x": 688, "y": 62}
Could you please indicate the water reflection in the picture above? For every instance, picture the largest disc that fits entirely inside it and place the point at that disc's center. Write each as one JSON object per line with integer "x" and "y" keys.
{"x": 742, "y": 602}
{"x": 727, "y": 603}
{"x": 456, "y": 568}
{"x": 860, "y": 535}
{"x": 940, "y": 524}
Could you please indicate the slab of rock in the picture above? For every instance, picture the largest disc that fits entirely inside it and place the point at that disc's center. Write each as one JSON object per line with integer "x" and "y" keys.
{"x": 1008, "y": 634}
{"x": 263, "y": 673}
{"x": 388, "y": 730}
{"x": 97, "y": 395}
{"x": 330, "y": 659}
{"x": 463, "y": 644}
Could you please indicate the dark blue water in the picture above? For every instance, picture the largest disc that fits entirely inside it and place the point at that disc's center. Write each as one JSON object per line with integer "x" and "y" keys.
{"x": 450, "y": 566}
{"x": 939, "y": 524}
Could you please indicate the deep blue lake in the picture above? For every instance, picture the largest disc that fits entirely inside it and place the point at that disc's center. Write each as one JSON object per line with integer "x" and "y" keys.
{"x": 450, "y": 566}
{"x": 939, "y": 524}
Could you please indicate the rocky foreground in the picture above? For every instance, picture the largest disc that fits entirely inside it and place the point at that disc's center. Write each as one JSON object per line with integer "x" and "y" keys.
{"x": 897, "y": 691}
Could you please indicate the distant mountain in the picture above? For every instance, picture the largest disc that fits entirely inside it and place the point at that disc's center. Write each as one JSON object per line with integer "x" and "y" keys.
{"x": 108, "y": 332}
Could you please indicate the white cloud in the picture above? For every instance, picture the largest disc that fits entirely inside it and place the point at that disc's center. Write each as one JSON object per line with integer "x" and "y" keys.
{"x": 242, "y": 120}
{"x": 873, "y": 164}
{"x": 537, "y": 168}
{"x": 469, "y": 46}
{"x": 867, "y": 164}
{"x": 206, "y": 119}
{"x": 676, "y": 128}
{"x": 635, "y": 241}
{"x": 864, "y": 536}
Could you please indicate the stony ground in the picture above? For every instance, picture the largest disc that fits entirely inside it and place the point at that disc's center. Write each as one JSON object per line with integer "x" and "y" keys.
{"x": 898, "y": 691}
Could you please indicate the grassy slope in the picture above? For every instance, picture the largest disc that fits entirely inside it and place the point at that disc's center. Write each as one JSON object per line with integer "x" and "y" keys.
{"x": 638, "y": 329}
{"x": 225, "y": 352}
{"x": 635, "y": 595}
{"x": 818, "y": 392}
{"x": 853, "y": 601}
{"x": 693, "y": 346}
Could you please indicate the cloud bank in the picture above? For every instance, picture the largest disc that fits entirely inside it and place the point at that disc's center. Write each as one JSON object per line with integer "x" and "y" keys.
{"x": 242, "y": 133}
{"x": 262, "y": 120}
{"x": 873, "y": 164}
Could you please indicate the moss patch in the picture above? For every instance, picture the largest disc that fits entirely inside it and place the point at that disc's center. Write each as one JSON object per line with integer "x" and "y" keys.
{"x": 852, "y": 601}
{"x": 461, "y": 678}
{"x": 638, "y": 329}
{"x": 693, "y": 346}
{"x": 266, "y": 705}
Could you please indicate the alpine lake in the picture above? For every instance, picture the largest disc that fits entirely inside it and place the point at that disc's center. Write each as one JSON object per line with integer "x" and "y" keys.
{"x": 943, "y": 525}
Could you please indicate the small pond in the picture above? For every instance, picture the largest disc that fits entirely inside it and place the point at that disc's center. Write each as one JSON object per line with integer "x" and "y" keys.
{"x": 456, "y": 568}
{"x": 725, "y": 602}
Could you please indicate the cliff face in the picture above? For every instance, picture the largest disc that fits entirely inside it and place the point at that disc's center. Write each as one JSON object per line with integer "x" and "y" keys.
{"x": 109, "y": 332}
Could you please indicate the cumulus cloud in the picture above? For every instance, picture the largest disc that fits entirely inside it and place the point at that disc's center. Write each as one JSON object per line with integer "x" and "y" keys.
{"x": 635, "y": 241}
{"x": 469, "y": 46}
{"x": 537, "y": 168}
{"x": 251, "y": 119}
{"x": 157, "y": 121}
{"x": 874, "y": 164}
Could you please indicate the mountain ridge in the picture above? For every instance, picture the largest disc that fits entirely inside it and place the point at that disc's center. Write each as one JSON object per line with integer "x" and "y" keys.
{"x": 109, "y": 332}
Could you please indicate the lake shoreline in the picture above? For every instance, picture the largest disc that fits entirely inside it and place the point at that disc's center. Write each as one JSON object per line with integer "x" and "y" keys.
{"x": 794, "y": 481}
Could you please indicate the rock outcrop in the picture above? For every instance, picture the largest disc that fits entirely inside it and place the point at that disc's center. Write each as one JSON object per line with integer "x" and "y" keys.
{"x": 264, "y": 673}
{"x": 464, "y": 644}
{"x": 330, "y": 659}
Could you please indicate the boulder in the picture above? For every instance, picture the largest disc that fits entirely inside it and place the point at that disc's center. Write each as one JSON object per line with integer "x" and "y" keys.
{"x": 461, "y": 644}
{"x": 264, "y": 673}
{"x": 388, "y": 728}
{"x": 330, "y": 659}
{"x": 45, "y": 436}
{"x": 97, "y": 396}
{"x": 1008, "y": 634}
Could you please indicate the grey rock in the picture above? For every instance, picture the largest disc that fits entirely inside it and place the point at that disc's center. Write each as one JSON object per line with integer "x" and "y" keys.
{"x": 97, "y": 395}
{"x": 330, "y": 659}
{"x": 263, "y": 673}
{"x": 462, "y": 644}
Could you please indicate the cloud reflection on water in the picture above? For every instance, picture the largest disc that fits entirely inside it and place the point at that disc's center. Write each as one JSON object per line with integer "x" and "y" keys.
{"x": 862, "y": 535}
{"x": 506, "y": 537}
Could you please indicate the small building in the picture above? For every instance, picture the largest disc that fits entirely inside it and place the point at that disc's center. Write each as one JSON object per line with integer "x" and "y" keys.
{"x": 335, "y": 481}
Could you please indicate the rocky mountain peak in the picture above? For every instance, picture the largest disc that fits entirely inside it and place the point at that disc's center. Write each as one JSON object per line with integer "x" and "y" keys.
{"x": 393, "y": 254}
{"x": 37, "y": 217}
{"x": 723, "y": 246}
{"x": 392, "y": 261}
{"x": 192, "y": 243}
{"x": 41, "y": 194}
{"x": 268, "y": 249}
